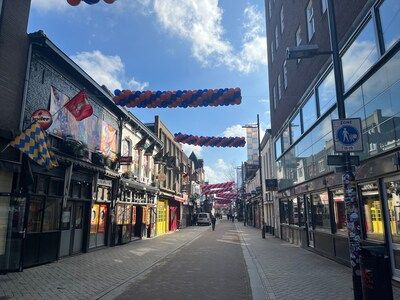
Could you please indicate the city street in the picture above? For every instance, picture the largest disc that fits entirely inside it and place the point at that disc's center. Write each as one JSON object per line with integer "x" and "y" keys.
{"x": 194, "y": 263}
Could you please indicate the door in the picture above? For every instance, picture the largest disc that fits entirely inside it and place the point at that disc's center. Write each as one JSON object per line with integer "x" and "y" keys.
{"x": 66, "y": 230}
{"x": 71, "y": 228}
{"x": 161, "y": 217}
{"x": 77, "y": 223}
{"x": 309, "y": 220}
{"x": 392, "y": 208}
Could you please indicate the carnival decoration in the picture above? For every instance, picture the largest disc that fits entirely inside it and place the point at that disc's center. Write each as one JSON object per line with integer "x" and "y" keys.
{"x": 90, "y": 2}
{"x": 210, "y": 141}
{"x": 180, "y": 98}
{"x": 215, "y": 187}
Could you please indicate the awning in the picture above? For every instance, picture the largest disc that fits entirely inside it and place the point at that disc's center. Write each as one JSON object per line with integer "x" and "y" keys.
{"x": 80, "y": 163}
{"x": 139, "y": 186}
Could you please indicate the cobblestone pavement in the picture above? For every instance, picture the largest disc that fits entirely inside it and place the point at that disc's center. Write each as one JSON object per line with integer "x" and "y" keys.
{"x": 92, "y": 275}
{"x": 211, "y": 267}
{"x": 290, "y": 272}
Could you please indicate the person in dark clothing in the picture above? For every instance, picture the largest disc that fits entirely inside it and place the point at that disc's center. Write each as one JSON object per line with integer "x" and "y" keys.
{"x": 233, "y": 218}
{"x": 213, "y": 220}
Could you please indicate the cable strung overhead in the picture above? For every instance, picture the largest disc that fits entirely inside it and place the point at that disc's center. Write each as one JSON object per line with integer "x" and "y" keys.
{"x": 210, "y": 141}
{"x": 173, "y": 99}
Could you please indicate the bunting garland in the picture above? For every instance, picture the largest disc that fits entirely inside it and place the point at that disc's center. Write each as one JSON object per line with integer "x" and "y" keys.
{"x": 211, "y": 141}
{"x": 173, "y": 99}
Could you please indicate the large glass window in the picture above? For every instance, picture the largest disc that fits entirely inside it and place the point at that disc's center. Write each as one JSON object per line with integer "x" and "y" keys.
{"x": 360, "y": 56}
{"x": 393, "y": 203}
{"x": 51, "y": 215}
{"x": 295, "y": 127}
{"x": 340, "y": 211}
{"x": 373, "y": 214}
{"x": 300, "y": 201}
{"x": 35, "y": 214}
{"x": 295, "y": 212}
{"x": 284, "y": 211}
{"x": 309, "y": 112}
{"x": 286, "y": 138}
{"x": 321, "y": 211}
{"x": 389, "y": 12}
{"x": 278, "y": 147}
{"x": 327, "y": 93}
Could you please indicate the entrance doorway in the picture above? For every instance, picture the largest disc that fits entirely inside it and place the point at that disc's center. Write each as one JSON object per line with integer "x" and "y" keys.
{"x": 392, "y": 208}
{"x": 72, "y": 218}
{"x": 139, "y": 222}
{"x": 310, "y": 220}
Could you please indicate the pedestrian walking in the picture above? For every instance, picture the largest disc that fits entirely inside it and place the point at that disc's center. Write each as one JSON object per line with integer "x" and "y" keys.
{"x": 233, "y": 218}
{"x": 213, "y": 220}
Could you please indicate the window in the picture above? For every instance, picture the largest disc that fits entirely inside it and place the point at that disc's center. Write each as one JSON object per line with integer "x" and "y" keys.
{"x": 272, "y": 51}
{"x": 282, "y": 20}
{"x": 301, "y": 211}
{"x": 270, "y": 8}
{"x": 278, "y": 147}
{"x": 327, "y": 93}
{"x": 284, "y": 212}
{"x": 298, "y": 39}
{"x": 279, "y": 86}
{"x": 310, "y": 20}
{"x": 321, "y": 211}
{"x": 275, "y": 97}
{"x": 295, "y": 127}
{"x": 309, "y": 112}
{"x": 35, "y": 215}
{"x": 126, "y": 147}
{"x": 389, "y": 12}
{"x": 360, "y": 56}
{"x": 373, "y": 218}
{"x": 286, "y": 138}
{"x": 51, "y": 215}
{"x": 285, "y": 79}
{"x": 324, "y": 5}
{"x": 339, "y": 208}
{"x": 295, "y": 212}
{"x": 276, "y": 37}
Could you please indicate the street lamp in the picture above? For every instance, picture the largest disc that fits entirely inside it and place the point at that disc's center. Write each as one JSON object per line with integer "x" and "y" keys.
{"x": 348, "y": 179}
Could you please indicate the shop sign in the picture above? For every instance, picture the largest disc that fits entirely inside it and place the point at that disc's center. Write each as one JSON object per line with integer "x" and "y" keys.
{"x": 42, "y": 117}
{"x": 271, "y": 184}
{"x": 125, "y": 160}
{"x": 104, "y": 182}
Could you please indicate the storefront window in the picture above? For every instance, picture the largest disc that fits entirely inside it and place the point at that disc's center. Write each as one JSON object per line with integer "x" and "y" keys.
{"x": 35, "y": 214}
{"x": 300, "y": 201}
{"x": 309, "y": 112}
{"x": 389, "y": 12}
{"x": 373, "y": 215}
{"x": 340, "y": 211}
{"x": 327, "y": 93}
{"x": 51, "y": 215}
{"x": 295, "y": 212}
{"x": 360, "y": 56}
{"x": 393, "y": 203}
{"x": 284, "y": 211}
{"x": 321, "y": 211}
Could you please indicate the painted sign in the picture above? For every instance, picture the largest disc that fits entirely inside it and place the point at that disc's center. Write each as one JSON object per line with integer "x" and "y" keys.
{"x": 125, "y": 160}
{"x": 347, "y": 135}
{"x": 43, "y": 118}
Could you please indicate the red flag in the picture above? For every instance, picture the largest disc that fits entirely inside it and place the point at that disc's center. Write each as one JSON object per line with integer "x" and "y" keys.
{"x": 79, "y": 107}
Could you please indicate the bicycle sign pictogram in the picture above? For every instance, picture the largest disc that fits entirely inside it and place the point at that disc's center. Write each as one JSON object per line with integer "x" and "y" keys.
{"x": 347, "y": 135}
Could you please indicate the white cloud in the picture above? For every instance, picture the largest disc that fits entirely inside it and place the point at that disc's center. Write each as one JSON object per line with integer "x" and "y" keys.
{"x": 188, "y": 149}
{"x": 235, "y": 130}
{"x": 47, "y": 5}
{"x": 220, "y": 172}
{"x": 263, "y": 100}
{"x": 107, "y": 69}
{"x": 200, "y": 23}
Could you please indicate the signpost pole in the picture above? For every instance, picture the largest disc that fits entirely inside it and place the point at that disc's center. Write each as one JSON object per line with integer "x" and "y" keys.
{"x": 348, "y": 179}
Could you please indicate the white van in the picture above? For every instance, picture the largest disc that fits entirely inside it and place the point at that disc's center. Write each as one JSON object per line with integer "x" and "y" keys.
{"x": 203, "y": 218}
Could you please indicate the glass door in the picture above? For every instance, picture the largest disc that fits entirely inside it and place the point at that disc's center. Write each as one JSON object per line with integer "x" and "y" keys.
{"x": 392, "y": 201}
{"x": 309, "y": 220}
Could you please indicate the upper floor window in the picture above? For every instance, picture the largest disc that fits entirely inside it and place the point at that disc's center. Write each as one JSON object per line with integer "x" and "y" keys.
{"x": 282, "y": 20}
{"x": 324, "y": 5}
{"x": 298, "y": 36}
{"x": 360, "y": 55}
{"x": 310, "y": 20}
{"x": 389, "y": 12}
{"x": 327, "y": 93}
{"x": 270, "y": 8}
{"x": 272, "y": 51}
{"x": 309, "y": 112}
{"x": 285, "y": 79}
{"x": 278, "y": 147}
{"x": 126, "y": 147}
{"x": 274, "y": 96}
{"x": 279, "y": 86}
{"x": 276, "y": 37}
{"x": 295, "y": 127}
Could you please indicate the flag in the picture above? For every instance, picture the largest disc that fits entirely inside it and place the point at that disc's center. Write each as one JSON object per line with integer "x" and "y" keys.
{"x": 79, "y": 107}
{"x": 32, "y": 142}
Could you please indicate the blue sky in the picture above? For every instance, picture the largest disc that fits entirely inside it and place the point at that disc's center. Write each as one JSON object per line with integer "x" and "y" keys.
{"x": 171, "y": 45}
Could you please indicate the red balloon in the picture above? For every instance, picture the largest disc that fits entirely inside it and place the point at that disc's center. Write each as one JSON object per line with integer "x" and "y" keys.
{"x": 74, "y": 2}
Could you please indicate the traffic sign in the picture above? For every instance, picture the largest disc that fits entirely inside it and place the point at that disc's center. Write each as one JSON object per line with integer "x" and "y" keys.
{"x": 347, "y": 135}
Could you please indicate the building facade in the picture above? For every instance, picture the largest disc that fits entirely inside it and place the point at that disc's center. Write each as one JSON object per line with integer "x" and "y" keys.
{"x": 302, "y": 94}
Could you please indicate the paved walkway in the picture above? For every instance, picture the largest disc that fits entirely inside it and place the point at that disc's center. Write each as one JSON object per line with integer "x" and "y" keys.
{"x": 92, "y": 275}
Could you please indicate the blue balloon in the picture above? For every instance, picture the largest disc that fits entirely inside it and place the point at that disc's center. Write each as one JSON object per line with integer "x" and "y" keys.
{"x": 117, "y": 92}
{"x": 91, "y": 1}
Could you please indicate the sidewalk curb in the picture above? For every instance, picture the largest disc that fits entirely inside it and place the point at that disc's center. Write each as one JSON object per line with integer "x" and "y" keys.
{"x": 114, "y": 291}
{"x": 260, "y": 286}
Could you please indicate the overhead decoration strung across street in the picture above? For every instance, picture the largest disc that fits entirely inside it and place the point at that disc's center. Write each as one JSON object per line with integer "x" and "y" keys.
{"x": 210, "y": 141}
{"x": 77, "y": 2}
{"x": 214, "y": 187}
{"x": 173, "y": 99}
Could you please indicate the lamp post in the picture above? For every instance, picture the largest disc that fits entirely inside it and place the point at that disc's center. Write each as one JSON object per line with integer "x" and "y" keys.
{"x": 348, "y": 178}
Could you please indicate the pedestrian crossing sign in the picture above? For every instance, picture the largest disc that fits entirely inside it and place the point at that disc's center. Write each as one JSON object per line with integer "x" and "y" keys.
{"x": 347, "y": 135}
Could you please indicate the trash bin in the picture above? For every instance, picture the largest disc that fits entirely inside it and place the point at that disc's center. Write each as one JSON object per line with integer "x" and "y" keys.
{"x": 375, "y": 273}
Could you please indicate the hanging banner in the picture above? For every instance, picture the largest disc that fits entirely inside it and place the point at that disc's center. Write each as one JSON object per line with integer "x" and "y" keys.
{"x": 211, "y": 141}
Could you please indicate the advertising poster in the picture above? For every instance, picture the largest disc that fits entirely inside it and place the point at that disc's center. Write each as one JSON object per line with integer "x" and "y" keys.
{"x": 133, "y": 215}
{"x": 94, "y": 220}
{"x": 102, "y": 218}
{"x": 108, "y": 145}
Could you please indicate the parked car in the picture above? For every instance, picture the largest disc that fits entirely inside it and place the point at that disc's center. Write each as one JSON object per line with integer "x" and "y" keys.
{"x": 203, "y": 218}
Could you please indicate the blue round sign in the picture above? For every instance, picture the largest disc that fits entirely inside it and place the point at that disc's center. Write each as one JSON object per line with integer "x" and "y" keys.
{"x": 348, "y": 135}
